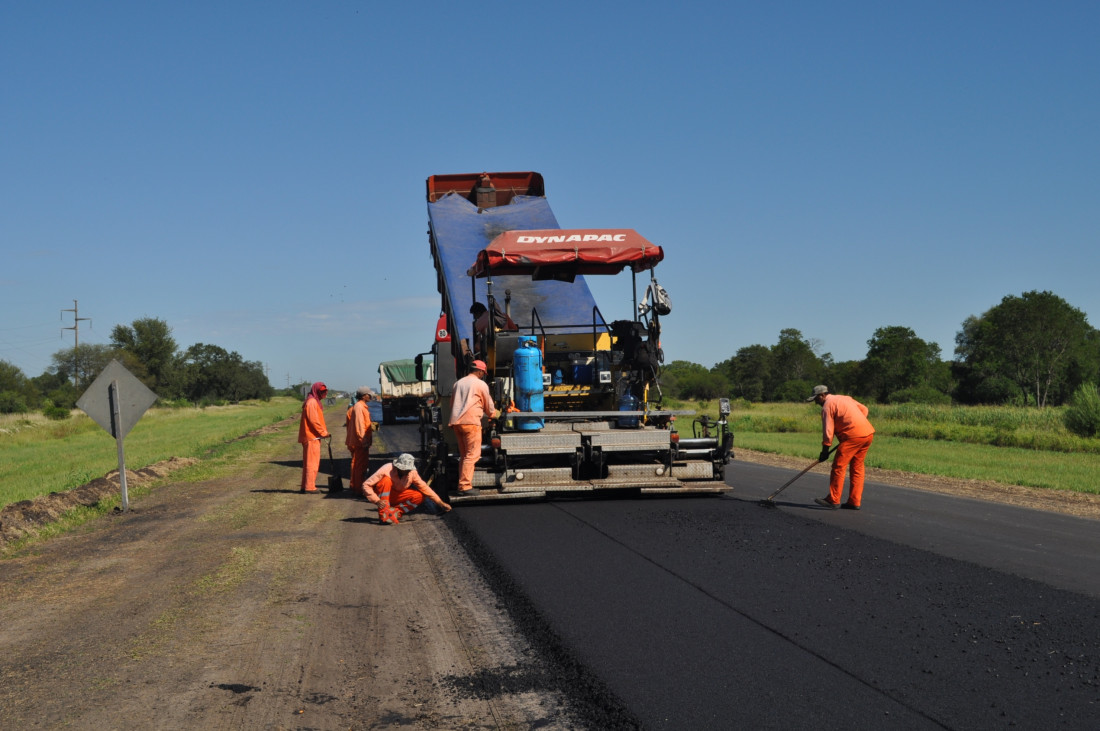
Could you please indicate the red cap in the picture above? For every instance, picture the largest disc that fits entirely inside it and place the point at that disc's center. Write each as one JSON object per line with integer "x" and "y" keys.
{"x": 479, "y": 365}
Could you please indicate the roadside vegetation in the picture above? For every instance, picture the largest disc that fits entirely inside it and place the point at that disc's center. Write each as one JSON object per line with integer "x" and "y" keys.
{"x": 43, "y": 456}
{"x": 201, "y": 375}
{"x": 1033, "y": 350}
{"x": 1006, "y": 444}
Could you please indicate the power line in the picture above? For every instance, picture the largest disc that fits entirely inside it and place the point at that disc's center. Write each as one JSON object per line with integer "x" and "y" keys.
{"x": 24, "y": 327}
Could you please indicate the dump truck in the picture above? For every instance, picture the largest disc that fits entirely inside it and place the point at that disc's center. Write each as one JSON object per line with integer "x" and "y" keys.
{"x": 579, "y": 394}
{"x": 405, "y": 388}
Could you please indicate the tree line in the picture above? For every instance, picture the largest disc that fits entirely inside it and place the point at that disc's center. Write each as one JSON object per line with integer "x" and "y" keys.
{"x": 201, "y": 374}
{"x": 1034, "y": 349}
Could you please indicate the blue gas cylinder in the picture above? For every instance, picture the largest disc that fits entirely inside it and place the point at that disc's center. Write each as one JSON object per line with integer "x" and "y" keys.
{"x": 628, "y": 402}
{"x": 527, "y": 376}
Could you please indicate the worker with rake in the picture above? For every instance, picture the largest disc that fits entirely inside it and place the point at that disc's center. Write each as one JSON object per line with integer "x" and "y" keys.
{"x": 847, "y": 419}
{"x": 397, "y": 489}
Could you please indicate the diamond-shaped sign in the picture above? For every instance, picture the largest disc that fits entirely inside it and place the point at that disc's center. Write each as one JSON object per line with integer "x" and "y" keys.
{"x": 134, "y": 399}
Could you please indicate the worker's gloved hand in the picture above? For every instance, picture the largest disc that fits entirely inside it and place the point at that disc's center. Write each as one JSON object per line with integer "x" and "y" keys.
{"x": 824, "y": 454}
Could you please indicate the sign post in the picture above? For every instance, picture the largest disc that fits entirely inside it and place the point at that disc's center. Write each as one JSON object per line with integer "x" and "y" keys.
{"x": 116, "y": 401}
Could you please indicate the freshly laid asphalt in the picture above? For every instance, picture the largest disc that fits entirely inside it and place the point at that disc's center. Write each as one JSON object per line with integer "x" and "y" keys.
{"x": 920, "y": 611}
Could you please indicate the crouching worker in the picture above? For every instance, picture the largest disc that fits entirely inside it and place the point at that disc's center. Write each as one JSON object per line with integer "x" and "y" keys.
{"x": 398, "y": 490}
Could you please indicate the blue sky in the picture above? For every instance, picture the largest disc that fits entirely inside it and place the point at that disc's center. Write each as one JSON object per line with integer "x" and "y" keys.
{"x": 253, "y": 172}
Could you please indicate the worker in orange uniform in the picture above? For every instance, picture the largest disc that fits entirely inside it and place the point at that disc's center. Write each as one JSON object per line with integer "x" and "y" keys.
{"x": 360, "y": 435}
{"x": 470, "y": 403}
{"x": 845, "y": 418}
{"x": 397, "y": 489}
{"x": 311, "y": 430}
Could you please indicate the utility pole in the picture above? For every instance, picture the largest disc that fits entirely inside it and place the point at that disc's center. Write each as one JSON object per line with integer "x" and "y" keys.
{"x": 76, "y": 323}
{"x": 77, "y": 375}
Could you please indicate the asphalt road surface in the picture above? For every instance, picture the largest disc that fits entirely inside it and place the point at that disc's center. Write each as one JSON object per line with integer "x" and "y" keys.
{"x": 920, "y": 611}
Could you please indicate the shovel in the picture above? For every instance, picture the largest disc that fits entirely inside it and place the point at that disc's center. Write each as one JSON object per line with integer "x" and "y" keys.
{"x": 335, "y": 481}
{"x": 768, "y": 502}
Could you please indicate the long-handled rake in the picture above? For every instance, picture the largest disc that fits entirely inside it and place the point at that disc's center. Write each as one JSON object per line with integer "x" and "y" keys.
{"x": 768, "y": 503}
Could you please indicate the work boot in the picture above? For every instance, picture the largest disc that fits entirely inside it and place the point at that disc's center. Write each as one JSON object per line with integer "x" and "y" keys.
{"x": 850, "y": 506}
{"x": 826, "y": 503}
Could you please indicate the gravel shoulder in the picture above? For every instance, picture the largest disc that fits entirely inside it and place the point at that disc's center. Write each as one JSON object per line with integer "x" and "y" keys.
{"x": 241, "y": 603}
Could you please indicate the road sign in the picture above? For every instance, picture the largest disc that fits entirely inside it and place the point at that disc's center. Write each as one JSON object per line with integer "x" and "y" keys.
{"x": 134, "y": 399}
{"x": 116, "y": 401}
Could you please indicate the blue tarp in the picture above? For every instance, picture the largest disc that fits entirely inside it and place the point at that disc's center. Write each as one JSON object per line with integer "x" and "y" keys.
{"x": 461, "y": 232}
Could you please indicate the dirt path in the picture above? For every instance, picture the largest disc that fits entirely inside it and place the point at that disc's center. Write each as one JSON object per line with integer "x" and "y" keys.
{"x": 240, "y": 603}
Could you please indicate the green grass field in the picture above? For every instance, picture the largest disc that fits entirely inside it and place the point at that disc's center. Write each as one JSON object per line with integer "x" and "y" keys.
{"x": 1011, "y": 445}
{"x": 38, "y": 456}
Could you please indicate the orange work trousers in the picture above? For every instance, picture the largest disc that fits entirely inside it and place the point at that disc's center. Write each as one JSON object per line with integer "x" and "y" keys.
{"x": 360, "y": 467}
{"x": 397, "y": 503}
{"x": 469, "y": 452}
{"x": 311, "y": 464}
{"x": 850, "y": 453}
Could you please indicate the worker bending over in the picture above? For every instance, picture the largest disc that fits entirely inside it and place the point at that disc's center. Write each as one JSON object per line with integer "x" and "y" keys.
{"x": 847, "y": 419}
{"x": 311, "y": 430}
{"x": 470, "y": 403}
{"x": 397, "y": 489}
{"x": 360, "y": 435}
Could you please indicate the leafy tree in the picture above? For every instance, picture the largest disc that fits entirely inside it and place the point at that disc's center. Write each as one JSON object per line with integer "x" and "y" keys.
{"x": 792, "y": 359}
{"x": 897, "y": 360}
{"x": 11, "y": 377}
{"x": 703, "y": 385}
{"x": 55, "y": 389}
{"x": 1038, "y": 341}
{"x": 12, "y": 402}
{"x": 845, "y": 377}
{"x": 975, "y": 373}
{"x": 212, "y": 373}
{"x": 150, "y": 341}
{"x": 17, "y": 392}
{"x": 75, "y": 369}
{"x": 675, "y": 372}
{"x": 748, "y": 371}
{"x": 794, "y": 390}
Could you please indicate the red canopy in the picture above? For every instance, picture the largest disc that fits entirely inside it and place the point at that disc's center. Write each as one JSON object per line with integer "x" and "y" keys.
{"x": 565, "y": 253}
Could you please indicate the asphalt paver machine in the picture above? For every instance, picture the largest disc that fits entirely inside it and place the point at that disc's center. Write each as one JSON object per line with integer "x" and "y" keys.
{"x": 579, "y": 395}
